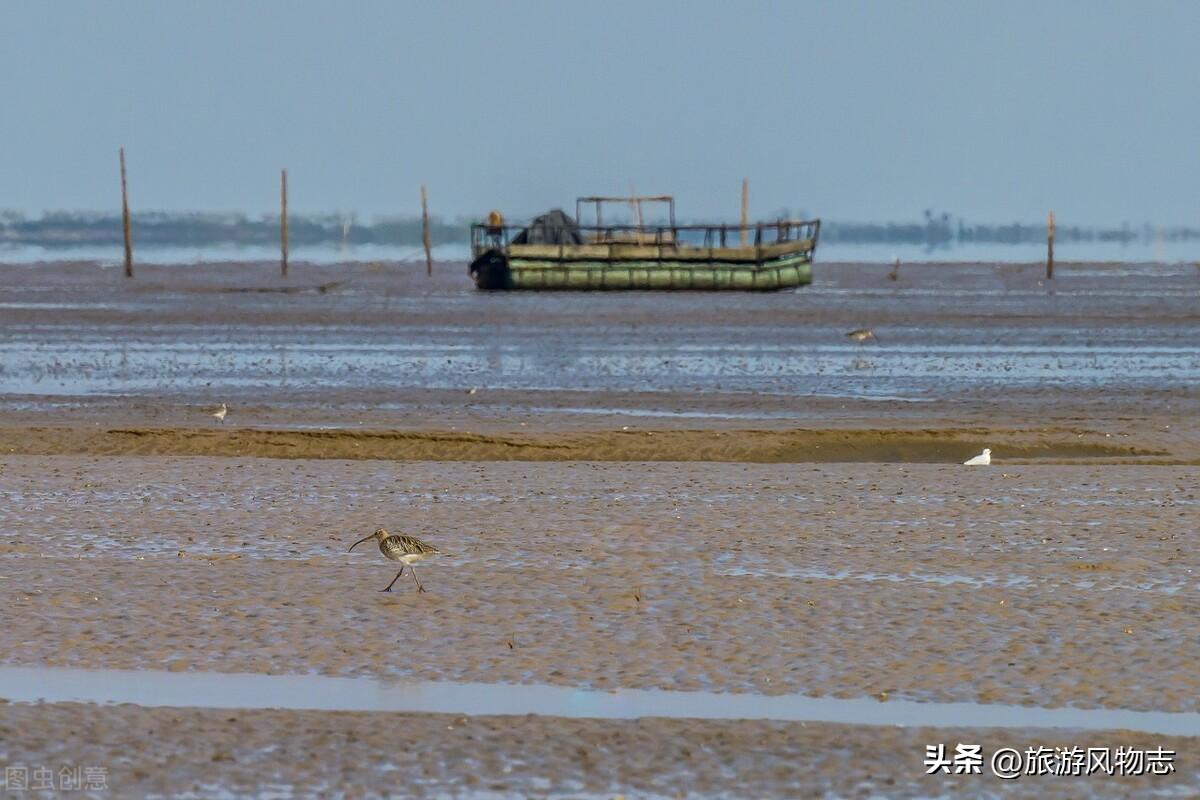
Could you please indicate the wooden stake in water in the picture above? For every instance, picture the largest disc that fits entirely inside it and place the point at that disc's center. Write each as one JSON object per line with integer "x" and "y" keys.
{"x": 283, "y": 224}
{"x": 125, "y": 220}
{"x": 1050, "y": 246}
{"x": 745, "y": 208}
{"x": 425, "y": 232}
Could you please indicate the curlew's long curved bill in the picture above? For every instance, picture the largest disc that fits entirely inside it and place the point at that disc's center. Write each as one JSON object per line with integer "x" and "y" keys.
{"x": 360, "y": 541}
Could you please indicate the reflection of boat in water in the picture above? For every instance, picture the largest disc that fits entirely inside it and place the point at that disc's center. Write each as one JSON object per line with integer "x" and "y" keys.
{"x": 556, "y": 252}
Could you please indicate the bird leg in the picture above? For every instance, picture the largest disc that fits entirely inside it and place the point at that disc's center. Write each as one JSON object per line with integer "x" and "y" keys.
{"x": 393, "y": 583}
{"x": 420, "y": 588}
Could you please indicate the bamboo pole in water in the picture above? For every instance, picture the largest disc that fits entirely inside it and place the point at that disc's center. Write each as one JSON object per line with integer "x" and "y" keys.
{"x": 125, "y": 220}
{"x": 745, "y": 208}
{"x": 1050, "y": 246}
{"x": 283, "y": 224}
{"x": 425, "y": 232}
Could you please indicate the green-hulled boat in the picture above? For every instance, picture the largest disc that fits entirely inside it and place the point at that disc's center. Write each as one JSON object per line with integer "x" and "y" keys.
{"x": 555, "y": 252}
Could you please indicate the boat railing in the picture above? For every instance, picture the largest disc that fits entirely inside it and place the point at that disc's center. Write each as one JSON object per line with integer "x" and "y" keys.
{"x": 763, "y": 237}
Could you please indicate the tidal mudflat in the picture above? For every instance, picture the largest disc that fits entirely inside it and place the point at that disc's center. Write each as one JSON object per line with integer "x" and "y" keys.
{"x": 718, "y": 494}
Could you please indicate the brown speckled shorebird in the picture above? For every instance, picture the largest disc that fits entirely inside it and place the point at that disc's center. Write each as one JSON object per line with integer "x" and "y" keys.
{"x": 408, "y": 550}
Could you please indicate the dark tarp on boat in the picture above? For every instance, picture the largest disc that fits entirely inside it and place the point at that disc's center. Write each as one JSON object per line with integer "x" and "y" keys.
{"x": 553, "y": 227}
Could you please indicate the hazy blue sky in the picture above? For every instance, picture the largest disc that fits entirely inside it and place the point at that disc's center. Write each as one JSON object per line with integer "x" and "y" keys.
{"x": 845, "y": 110}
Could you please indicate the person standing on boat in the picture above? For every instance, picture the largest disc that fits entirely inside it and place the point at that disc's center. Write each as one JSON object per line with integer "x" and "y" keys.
{"x": 495, "y": 229}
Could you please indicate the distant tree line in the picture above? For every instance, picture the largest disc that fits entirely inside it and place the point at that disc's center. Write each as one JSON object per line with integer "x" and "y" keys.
{"x": 170, "y": 229}
{"x": 177, "y": 229}
{"x": 941, "y": 230}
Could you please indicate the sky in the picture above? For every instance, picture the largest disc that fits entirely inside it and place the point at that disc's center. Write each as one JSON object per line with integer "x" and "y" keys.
{"x": 866, "y": 111}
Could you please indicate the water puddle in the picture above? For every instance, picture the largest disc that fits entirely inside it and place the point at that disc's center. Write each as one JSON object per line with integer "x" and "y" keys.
{"x": 974, "y": 581}
{"x": 320, "y": 693}
{"x": 873, "y": 577}
{"x": 75, "y": 361}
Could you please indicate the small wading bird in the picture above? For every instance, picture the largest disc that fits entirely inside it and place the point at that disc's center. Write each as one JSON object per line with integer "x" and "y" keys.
{"x": 862, "y": 334}
{"x": 981, "y": 460}
{"x": 219, "y": 414}
{"x": 408, "y": 550}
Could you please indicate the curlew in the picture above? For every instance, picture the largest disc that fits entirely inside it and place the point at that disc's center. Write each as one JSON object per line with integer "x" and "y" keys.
{"x": 862, "y": 334}
{"x": 219, "y": 414}
{"x": 981, "y": 460}
{"x": 408, "y": 550}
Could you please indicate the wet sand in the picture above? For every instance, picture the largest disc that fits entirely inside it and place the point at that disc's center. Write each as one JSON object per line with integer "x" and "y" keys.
{"x": 939, "y": 445}
{"x": 392, "y": 349}
{"x": 774, "y": 510}
{"x": 1049, "y": 585}
{"x": 165, "y": 752}
{"x": 967, "y": 354}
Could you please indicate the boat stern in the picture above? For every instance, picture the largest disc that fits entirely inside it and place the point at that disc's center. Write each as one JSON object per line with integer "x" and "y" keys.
{"x": 490, "y": 271}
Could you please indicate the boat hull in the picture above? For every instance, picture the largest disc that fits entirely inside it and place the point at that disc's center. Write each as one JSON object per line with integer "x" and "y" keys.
{"x": 501, "y": 273}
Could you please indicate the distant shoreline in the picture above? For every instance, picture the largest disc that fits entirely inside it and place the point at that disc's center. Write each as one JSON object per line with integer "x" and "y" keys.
{"x": 69, "y": 229}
